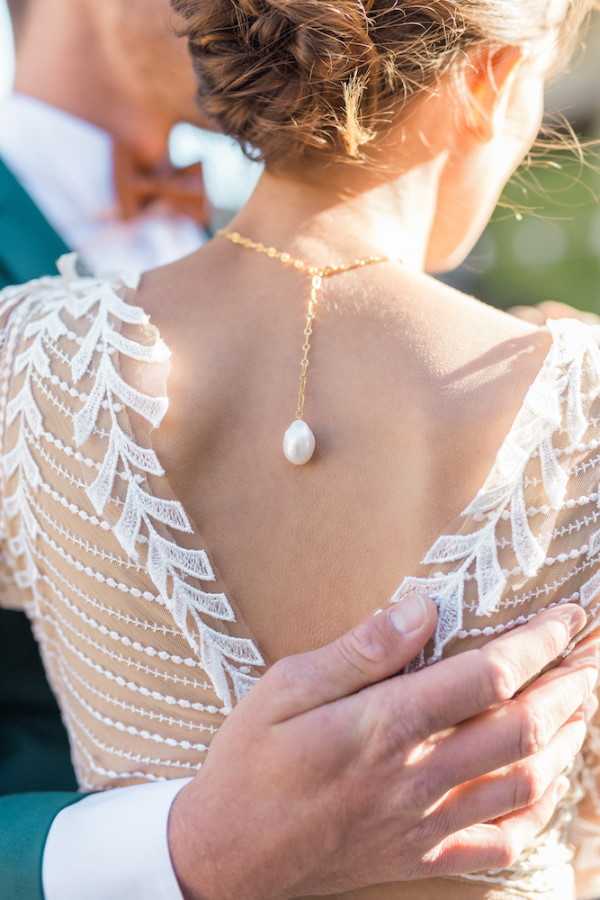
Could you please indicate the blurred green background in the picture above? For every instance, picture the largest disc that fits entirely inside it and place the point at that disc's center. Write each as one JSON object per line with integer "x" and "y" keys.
{"x": 544, "y": 240}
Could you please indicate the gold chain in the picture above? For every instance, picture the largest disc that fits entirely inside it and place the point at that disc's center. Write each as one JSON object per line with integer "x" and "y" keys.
{"x": 317, "y": 275}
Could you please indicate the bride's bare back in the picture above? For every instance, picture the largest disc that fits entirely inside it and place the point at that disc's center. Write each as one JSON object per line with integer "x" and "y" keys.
{"x": 413, "y": 388}
{"x": 165, "y": 568}
{"x": 387, "y": 128}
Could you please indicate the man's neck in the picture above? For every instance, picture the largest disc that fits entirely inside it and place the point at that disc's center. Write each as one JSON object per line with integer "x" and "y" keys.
{"x": 61, "y": 64}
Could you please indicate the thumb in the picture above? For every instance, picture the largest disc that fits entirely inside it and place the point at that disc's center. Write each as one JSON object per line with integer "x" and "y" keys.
{"x": 374, "y": 650}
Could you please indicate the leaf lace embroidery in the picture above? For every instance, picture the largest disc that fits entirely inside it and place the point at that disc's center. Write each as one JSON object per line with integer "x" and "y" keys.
{"x": 545, "y": 439}
{"x": 96, "y": 548}
{"x": 52, "y": 310}
{"x": 531, "y": 540}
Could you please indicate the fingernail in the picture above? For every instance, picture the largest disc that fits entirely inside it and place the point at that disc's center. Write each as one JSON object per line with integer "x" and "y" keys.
{"x": 410, "y": 614}
{"x": 590, "y": 708}
{"x": 591, "y": 677}
{"x": 560, "y": 788}
{"x": 575, "y": 618}
{"x": 587, "y": 658}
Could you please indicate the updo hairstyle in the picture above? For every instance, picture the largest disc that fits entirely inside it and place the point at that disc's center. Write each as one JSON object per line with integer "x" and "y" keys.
{"x": 289, "y": 78}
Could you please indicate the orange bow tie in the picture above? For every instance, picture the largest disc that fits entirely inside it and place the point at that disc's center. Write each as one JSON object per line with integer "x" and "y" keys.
{"x": 181, "y": 191}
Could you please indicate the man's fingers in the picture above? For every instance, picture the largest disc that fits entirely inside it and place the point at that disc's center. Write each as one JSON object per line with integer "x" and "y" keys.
{"x": 528, "y": 314}
{"x": 379, "y": 647}
{"x": 590, "y": 708}
{"x": 467, "y": 684}
{"x": 516, "y": 787}
{"x": 586, "y": 651}
{"x": 518, "y": 729}
{"x": 521, "y": 828}
{"x": 497, "y": 845}
{"x": 552, "y": 309}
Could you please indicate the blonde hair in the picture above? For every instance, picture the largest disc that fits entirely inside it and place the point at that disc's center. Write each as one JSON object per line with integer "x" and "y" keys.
{"x": 288, "y": 78}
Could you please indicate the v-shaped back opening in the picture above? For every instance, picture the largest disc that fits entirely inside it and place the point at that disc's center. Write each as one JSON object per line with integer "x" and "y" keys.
{"x": 455, "y": 523}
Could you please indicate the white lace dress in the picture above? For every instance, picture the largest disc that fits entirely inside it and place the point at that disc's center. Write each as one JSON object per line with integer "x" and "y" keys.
{"x": 146, "y": 655}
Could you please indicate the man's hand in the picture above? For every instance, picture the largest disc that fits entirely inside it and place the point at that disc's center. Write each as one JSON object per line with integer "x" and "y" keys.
{"x": 552, "y": 309}
{"x": 336, "y": 772}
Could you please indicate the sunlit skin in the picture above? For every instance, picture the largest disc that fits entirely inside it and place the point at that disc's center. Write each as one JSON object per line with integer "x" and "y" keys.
{"x": 404, "y": 371}
{"x": 118, "y": 65}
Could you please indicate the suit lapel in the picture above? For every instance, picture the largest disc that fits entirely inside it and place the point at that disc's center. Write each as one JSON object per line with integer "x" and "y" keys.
{"x": 29, "y": 246}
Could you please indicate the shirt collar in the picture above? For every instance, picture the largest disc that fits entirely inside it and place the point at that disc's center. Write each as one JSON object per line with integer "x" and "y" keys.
{"x": 33, "y": 132}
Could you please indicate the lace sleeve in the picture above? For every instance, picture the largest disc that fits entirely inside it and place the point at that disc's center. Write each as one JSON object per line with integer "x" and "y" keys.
{"x": 142, "y": 646}
{"x": 16, "y": 306}
{"x": 531, "y": 538}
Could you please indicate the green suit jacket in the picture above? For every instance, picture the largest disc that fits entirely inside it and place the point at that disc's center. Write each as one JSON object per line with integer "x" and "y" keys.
{"x": 36, "y": 777}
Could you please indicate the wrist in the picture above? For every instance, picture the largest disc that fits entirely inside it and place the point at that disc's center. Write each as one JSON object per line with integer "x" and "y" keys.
{"x": 190, "y": 855}
{"x": 208, "y": 861}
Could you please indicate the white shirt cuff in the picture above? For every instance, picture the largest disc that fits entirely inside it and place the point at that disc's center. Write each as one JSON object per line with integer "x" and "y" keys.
{"x": 112, "y": 845}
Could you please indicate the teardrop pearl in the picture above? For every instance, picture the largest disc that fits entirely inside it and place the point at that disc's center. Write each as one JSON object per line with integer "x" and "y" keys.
{"x": 298, "y": 443}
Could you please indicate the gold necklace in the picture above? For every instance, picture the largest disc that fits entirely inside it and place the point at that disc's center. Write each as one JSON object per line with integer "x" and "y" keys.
{"x": 299, "y": 440}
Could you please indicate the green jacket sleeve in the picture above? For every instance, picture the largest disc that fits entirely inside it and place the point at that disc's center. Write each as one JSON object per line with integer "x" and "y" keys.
{"x": 25, "y": 821}
{"x": 29, "y": 246}
{"x": 33, "y": 747}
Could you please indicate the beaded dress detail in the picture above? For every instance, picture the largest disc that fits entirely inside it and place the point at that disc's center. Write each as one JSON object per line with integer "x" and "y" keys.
{"x": 144, "y": 652}
{"x": 145, "y": 659}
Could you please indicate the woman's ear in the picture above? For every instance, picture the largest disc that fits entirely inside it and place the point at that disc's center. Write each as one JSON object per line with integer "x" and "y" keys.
{"x": 488, "y": 79}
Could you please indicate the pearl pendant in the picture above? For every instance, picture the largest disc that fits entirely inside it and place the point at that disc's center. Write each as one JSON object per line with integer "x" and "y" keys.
{"x": 298, "y": 443}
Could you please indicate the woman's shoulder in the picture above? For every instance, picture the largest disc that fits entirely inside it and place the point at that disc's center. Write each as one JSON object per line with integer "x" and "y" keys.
{"x": 73, "y": 292}
{"x": 73, "y": 346}
{"x": 498, "y": 365}
{"x": 530, "y": 538}
{"x": 477, "y": 350}
{"x": 69, "y": 317}
{"x": 84, "y": 493}
{"x": 532, "y": 381}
